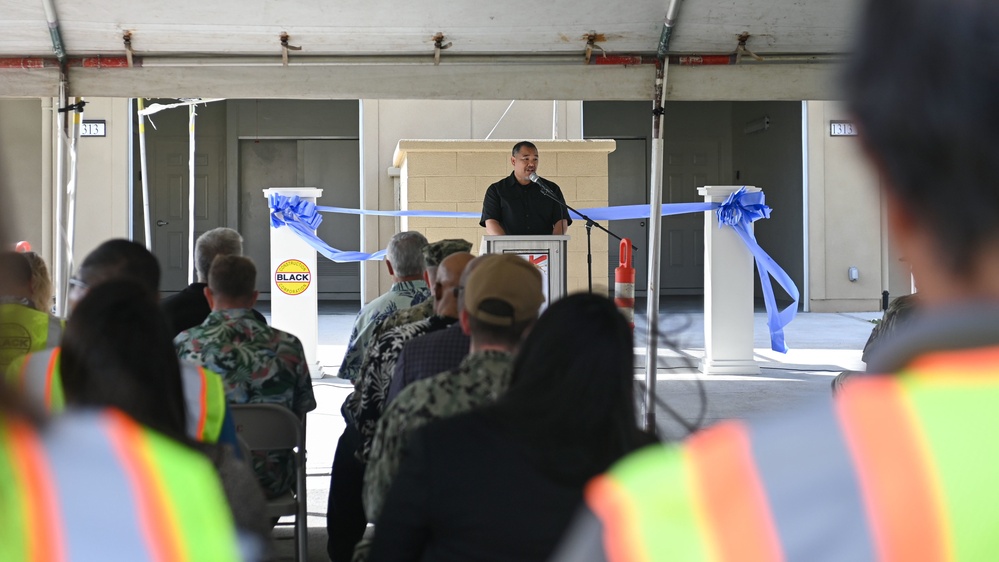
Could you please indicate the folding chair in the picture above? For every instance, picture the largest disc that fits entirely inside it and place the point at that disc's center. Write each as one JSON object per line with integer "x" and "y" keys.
{"x": 269, "y": 427}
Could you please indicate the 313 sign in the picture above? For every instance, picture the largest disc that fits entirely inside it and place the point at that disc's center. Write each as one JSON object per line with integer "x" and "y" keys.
{"x": 842, "y": 129}
{"x": 94, "y": 128}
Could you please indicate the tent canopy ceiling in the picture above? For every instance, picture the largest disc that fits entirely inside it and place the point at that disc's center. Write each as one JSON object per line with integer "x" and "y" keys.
{"x": 516, "y": 31}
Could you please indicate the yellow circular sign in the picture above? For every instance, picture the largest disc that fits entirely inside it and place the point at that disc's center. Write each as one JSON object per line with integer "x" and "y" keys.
{"x": 292, "y": 277}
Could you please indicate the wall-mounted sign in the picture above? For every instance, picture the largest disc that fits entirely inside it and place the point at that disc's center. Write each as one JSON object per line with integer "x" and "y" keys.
{"x": 94, "y": 128}
{"x": 842, "y": 129}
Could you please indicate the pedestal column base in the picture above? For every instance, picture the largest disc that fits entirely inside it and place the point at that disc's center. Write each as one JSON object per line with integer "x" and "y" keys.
{"x": 728, "y": 367}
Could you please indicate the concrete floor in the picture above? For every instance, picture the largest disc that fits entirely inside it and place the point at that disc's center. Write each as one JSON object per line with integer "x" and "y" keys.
{"x": 821, "y": 345}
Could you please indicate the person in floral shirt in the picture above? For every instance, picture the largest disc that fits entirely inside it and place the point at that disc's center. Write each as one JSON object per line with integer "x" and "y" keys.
{"x": 258, "y": 364}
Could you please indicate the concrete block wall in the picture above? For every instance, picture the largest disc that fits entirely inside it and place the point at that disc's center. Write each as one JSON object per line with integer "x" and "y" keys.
{"x": 454, "y": 175}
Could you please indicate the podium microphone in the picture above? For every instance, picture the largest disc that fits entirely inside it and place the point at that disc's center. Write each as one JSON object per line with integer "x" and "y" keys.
{"x": 545, "y": 190}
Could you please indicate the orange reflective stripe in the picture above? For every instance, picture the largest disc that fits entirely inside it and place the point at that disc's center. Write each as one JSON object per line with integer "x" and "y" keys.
{"x": 957, "y": 365}
{"x": 613, "y": 506}
{"x": 157, "y": 519}
{"x": 50, "y": 371}
{"x": 43, "y": 521}
{"x": 202, "y": 402}
{"x": 894, "y": 471}
{"x": 740, "y": 522}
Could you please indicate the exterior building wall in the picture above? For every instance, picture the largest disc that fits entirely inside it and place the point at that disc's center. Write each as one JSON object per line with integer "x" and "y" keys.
{"x": 453, "y": 176}
{"x": 27, "y": 173}
{"x": 846, "y": 227}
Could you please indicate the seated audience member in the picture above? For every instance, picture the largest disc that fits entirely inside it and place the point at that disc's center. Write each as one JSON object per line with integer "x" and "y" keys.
{"x": 379, "y": 362}
{"x": 189, "y": 307}
{"x": 504, "y": 481}
{"x": 38, "y": 374}
{"x": 117, "y": 354}
{"x": 41, "y": 282}
{"x": 502, "y": 299}
{"x": 24, "y": 328}
{"x": 434, "y": 353}
{"x": 60, "y": 476}
{"x": 345, "y": 520}
{"x": 404, "y": 260}
{"x": 433, "y": 254}
{"x": 258, "y": 364}
{"x": 900, "y": 466}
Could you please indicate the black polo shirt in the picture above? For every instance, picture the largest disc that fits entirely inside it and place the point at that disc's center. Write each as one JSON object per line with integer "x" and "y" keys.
{"x": 523, "y": 209}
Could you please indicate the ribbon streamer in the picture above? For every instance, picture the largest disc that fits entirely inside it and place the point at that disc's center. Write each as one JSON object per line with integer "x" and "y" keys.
{"x": 739, "y": 211}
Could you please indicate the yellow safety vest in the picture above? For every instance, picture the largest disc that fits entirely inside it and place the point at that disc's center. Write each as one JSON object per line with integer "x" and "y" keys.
{"x": 24, "y": 329}
{"x": 37, "y": 376}
{"x": 96, "y": 485}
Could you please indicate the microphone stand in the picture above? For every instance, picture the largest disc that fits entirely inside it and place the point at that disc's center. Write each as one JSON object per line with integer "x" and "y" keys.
{"x": 549, "y": 193}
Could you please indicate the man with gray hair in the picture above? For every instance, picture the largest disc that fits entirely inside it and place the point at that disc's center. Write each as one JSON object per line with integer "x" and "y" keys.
{"x": 189, "y": 307}
{"x": 404, "y": 260}
{"x": 345, "y": 520}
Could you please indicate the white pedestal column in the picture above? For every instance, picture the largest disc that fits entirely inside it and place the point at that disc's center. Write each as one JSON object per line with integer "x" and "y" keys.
{"x": 294, "y": 297}
{"x": 728, "y": 294}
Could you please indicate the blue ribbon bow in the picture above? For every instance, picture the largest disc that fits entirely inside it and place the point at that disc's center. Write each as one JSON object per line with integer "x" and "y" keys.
{"x": 303, "y": 218}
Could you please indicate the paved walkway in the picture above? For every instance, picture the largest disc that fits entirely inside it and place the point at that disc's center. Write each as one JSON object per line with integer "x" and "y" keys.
{"x": 821, "y": 345}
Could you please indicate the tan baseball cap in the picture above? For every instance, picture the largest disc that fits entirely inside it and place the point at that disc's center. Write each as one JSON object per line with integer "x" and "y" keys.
{"x": 504, "y": 290}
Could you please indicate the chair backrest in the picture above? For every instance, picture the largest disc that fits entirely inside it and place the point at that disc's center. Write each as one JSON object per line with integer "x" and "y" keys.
{"x": 266, "y": 427}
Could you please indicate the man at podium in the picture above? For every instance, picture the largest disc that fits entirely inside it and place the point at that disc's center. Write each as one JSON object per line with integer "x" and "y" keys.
{"x": 518, "y": 205}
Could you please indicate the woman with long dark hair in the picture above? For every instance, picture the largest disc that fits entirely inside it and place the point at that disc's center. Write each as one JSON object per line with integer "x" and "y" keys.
{"x": 117, "y": 352}
{"x": 503, "y": 483}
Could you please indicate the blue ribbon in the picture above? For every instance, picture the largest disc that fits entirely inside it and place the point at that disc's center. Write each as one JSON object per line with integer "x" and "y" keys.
{"x": 302, "y": 217}
{"x": 739, "y": 211}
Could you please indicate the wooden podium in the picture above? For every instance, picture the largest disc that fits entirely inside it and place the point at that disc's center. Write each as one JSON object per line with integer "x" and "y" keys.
{"x": 549, "y": 253}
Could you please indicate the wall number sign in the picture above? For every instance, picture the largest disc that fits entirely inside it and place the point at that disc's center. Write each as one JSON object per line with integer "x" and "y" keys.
{"x": 95, "y": 128}
{"x": 842, "y": 129}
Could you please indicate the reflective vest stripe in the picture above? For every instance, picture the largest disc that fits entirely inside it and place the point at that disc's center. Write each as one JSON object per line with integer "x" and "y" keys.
{"x": 613, "y": 504}
{"x": 808, "y": 462}
{"x": 40, "y": 512}
{"x": 899, "y": 489}
{"x": 202, "y": 401}
{"x": 50, "y": 370}
{"x": 156, "y": 517}
{"x": 735, "y": 508}
{"x": 204, "y": 397}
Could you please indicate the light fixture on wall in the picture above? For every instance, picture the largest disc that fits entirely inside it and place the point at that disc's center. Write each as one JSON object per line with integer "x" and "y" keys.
{"x": 757, "y": 125}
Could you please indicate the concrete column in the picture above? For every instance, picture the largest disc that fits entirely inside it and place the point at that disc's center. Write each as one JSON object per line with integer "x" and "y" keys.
{"x": 728, "y": 294}
{"x": 294, "y": 297}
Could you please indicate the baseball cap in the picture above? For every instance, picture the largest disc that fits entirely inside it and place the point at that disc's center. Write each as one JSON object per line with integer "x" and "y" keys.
{"x": 434, "y": 253}
{"x": 503, "y": 290}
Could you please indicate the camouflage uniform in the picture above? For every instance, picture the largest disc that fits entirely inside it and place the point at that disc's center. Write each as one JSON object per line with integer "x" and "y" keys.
{"x": 400, "y": 296}
{"x": 372, "y": 384}
{"x": 433, "y": 255}
{"x": 480, "y": 379}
